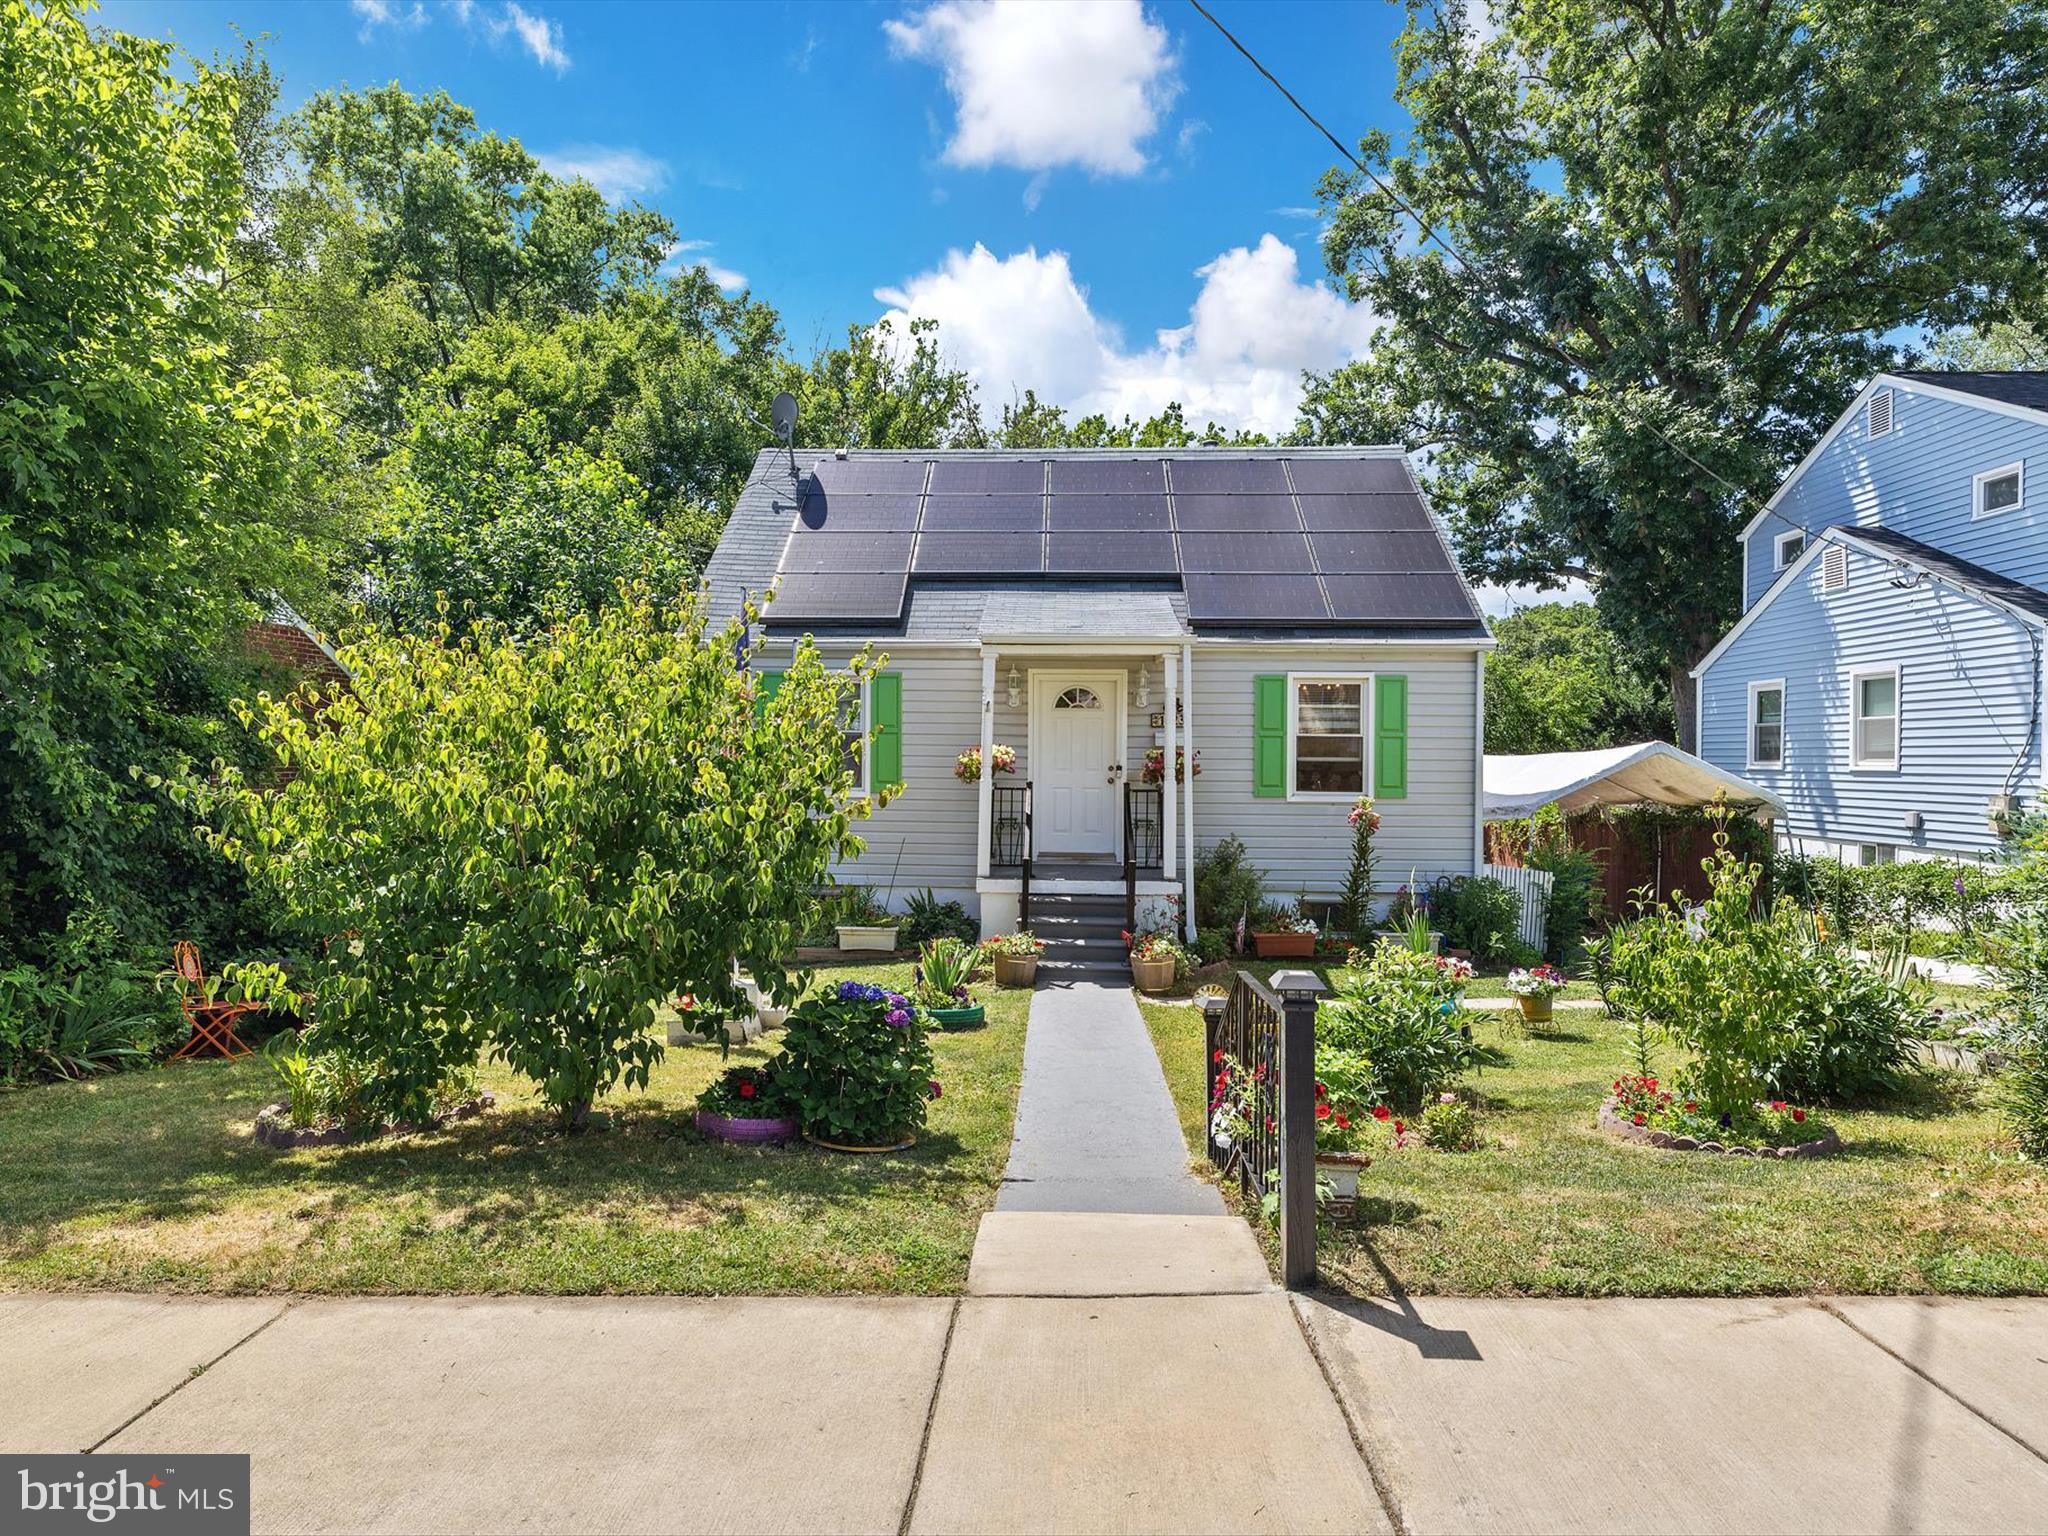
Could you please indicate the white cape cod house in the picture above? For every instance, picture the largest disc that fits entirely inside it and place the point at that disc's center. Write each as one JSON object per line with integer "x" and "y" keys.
{"x": 1886, "y": 679}
{"x": 1291, "y": 620}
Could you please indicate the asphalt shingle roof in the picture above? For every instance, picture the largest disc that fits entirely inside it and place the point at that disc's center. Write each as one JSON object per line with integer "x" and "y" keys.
{"x": 2027, "y": 389}
{"x": 1962, "y": 573}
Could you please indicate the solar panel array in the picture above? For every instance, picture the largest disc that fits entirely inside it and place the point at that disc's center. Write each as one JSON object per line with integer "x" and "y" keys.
{"x": 1265, "y": 541}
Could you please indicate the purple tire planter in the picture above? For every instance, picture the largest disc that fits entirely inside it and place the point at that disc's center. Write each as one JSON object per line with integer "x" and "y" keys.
{"x": 754, "y": 1132}
{"x": 1614, "y": 1125}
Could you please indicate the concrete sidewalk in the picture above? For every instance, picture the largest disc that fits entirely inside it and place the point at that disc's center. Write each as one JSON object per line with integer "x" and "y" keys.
{"x": 1052, "y": 1413}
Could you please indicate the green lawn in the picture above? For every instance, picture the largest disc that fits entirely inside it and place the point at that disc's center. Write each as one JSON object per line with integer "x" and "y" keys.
{"x": 1925, "y": 1197}
{"x": 153, "y": 1181}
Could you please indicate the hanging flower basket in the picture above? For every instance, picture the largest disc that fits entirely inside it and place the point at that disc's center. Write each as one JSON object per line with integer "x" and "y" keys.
{"x": 967, "y": 766}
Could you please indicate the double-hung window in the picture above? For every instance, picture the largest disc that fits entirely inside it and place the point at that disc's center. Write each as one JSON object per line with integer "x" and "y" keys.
{"x": 853, "y": 734}
{"x": 1328, "y": 735}
{"x": 1874, "y": 718}
{"x": 1767, "y": 724}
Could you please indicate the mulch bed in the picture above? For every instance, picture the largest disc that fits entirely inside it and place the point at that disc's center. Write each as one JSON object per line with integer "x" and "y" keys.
{"x": 1614, "y": 1125}
{"x": 275, "y": 1129}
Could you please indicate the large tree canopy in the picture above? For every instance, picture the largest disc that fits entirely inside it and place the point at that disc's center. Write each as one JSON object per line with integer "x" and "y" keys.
{"x": 1666, "y": 240}
{"x": 1558, "y": 681}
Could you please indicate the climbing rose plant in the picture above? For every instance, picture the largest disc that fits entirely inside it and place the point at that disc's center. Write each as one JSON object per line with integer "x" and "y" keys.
{"x": 525, "y": 846}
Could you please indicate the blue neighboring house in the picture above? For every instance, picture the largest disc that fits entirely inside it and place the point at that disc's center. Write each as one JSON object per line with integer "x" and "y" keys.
{"x": 1886, "y": 677}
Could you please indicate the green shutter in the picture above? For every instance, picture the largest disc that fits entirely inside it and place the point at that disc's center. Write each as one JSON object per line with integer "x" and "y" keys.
{"x": 1269, "y": 737}
{"x": 885, "y": 700}
{"x": 1390, "y": 738}
{"x": 770, "y": 683}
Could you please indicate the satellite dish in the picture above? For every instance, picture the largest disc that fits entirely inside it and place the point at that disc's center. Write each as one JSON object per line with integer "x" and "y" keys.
{"x": 782, "y": 412}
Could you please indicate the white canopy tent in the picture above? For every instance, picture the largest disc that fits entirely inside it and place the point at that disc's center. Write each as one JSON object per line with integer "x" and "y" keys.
{"x": 1649, "y": 773}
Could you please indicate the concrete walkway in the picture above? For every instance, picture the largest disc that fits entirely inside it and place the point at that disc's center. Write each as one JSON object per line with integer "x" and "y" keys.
{"x": 1251, "y": 1412}
{"x": 1096, "y": 1128}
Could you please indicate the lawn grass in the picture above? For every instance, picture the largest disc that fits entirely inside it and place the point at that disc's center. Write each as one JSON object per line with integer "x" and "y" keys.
{"x": 152, "y": 1181}
{"x": 1924, "y": 1198}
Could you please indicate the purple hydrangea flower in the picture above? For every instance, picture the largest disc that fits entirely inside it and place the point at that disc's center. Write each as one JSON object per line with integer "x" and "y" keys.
{"x": 898, "y": 1017}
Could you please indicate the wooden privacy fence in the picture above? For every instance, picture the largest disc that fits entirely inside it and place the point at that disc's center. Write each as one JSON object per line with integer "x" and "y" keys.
{"x": 1634, "y": 852}
{"x": 1267, "y": 1035}
{"x": 1533, "y": 886}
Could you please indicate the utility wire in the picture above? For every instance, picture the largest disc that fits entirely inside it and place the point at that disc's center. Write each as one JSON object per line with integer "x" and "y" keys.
{"x": 1428, "y": 233}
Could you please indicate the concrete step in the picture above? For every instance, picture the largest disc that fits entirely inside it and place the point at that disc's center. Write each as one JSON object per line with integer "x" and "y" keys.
{"x": 1087, "y": 1253}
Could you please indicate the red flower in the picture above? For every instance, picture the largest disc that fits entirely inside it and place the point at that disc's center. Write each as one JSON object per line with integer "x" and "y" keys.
{"x": 1799, "y": 1116}
{"x": 1400, "y": 1129}
{"x": 1778, "y": 1105}
{"x": 747, "y": 1090}
{"x": 1269, "y": 1122}
{"x": 1381, "y": 1112}
{"x": 1343, "y": 1124}
{"x": 1322, "y": 1092}
{"x": 1691, "y": 1104}
{"x": 932, "y": 1083}
{"x": 1218, "y": 1057}
{"x": 1323, "y": 1110}
{"x": 1639, "y": 1119}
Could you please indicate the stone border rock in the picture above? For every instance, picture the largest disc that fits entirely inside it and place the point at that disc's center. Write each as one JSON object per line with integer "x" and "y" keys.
{"x": 1649, "y": 1136}
{"x": 274, "y": 1128}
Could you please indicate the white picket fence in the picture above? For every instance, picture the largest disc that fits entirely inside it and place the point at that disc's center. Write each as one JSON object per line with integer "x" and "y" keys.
{"x": 1533, "y": 886}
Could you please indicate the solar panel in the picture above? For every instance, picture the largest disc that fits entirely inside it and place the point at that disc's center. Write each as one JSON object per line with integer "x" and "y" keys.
{"x": 1244, "y": 552}
{"x": 838, "y": 598}
{"x": 1356, "y": 512}
{"x": 870, "y": 552}
{"x": 868, "y": 474}
{"x": 1146, "y": 514}
{"x": 1116, "y": 553}
{"x": 977, "y": 475}
{"x": 1378, "y": 551}
{"x": 1254, "y": 598}
{"x": 1317, "y": 476}
{"x": 851, "y": 511}
{"x": 1235, "y": 514}
{"x": 1411, "y": 597}
{"x": 1106, "y": 475}
{"x": 993, "y": 555}
{"x": 1231, "y": 477}
{"x": 1006, "y": 513}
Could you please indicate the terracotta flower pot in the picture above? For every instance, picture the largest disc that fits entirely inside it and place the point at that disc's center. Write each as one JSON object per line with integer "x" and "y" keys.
{"x": 1016, "y": 970}
{"x": 746, "y": 1132}
{"x": 1536, "y": 1010}
{"x": 1284, "y": 946}
{"x": 1152, "y": 975}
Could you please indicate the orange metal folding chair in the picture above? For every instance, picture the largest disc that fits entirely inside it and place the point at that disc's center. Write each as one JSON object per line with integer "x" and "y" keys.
{"x": 213, "y": 1024}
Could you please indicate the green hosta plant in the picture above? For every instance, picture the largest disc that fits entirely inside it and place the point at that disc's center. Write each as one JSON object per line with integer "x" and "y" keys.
{"x": 521, "y": 846}
{"x": 855, "y": 1066}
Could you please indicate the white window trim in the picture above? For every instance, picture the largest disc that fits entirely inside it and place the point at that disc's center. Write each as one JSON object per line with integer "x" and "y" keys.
{"x": 1857, "y": 761}
{"x": 1764, "y": 685}
{"x": 1978, "y": 482}
{"x": 867, "y": 734}
{"x": 1778, "y": 548}
{"x": 1365, "y": 706}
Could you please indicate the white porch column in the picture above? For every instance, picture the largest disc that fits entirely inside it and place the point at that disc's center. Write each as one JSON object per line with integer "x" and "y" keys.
{"x": 1169, "y": 797}
{"x": 985, "y": 789}
{"x": 1187, "y": 820}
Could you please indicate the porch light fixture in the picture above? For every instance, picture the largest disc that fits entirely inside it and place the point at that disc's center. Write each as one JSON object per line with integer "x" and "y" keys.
{"x": 1016, "y": 683}
{"x": 1144, "y": 687}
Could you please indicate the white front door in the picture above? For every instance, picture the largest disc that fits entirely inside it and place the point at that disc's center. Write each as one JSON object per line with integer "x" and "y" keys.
{"x": 1075, "y": 750}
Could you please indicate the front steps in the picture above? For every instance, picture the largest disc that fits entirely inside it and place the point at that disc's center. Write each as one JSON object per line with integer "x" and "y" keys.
{"x": 1083, "y": 937}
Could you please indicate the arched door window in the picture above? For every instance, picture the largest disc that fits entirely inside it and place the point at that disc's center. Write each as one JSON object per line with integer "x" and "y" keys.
{"x": 1077, "y": 698}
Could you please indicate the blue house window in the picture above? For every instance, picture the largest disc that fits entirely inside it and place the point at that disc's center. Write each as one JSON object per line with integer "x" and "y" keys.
{"x": 1767, "y": 724}
{"x": 1874, "y": 718}
{"x": 1998, "y": 490}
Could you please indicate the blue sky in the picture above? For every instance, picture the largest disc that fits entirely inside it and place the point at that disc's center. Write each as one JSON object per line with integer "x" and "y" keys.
{"x": 1095, "y": 197}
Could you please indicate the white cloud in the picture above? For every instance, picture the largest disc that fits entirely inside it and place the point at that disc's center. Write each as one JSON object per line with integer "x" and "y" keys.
{"x": 540, "y": 37}
{"x": 1024, "y": 322}
{"x": 679, "y": 258}
{"x": 1039, "y": 87}
{"x": 387, "y": 13}
{"x": 619, "y": 172}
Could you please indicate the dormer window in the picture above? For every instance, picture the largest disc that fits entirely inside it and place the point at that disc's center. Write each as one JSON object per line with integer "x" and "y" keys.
{"x": 1877, "y": 414}
{"x": 1790, "y": 547}
{"x": 1998, "y": 490}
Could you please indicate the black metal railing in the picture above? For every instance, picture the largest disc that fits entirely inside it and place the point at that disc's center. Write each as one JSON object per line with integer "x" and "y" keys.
{"x": 1009, "y": 837}
{"x": 1145, "y": 825}
{"x": 1265, "y": 1039}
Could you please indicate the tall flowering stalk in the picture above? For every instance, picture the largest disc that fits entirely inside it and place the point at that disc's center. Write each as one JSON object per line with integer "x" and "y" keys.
{"x": 1355, "y": 905}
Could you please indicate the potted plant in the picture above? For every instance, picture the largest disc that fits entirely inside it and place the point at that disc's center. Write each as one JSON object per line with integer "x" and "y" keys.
{"x": 1154, "y": 769}
{"x": 856, "y": 1069}
{"x": 945, "y": 967}
{"x": 1015, "y": 956}
{"x": 1535, "y": 989}
{"x": 744, "y": 1105}
{"x": 864, "y": 922}
{"x": 1340, "y": 1157}
{"x": 1156, "y": 960}
{"x": 967, "y": 766}
{"x": 1288, "y": 933}
{"x": 1408, "y": 923}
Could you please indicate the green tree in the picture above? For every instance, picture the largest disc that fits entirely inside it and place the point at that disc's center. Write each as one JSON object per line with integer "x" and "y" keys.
{"x": 1557, "y": 680}
{"x": 525, "y": 847}
{"x": 141, "y": 465}
{"x": 1034, "y": 423}
{"x": 1665, "y": 244}
{"x": 885, "y": 391}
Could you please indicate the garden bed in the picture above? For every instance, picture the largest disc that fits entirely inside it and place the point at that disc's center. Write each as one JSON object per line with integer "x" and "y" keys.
{"x": 275, "y": 1129}
{"x": 1651, "y": 1136}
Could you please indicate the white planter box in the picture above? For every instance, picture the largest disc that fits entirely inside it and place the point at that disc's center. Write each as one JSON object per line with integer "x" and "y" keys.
{"x": 852, "y": 937}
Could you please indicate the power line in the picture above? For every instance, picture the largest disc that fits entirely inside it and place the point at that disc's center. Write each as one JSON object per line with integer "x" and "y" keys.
{"x": 1428, "y": 233}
